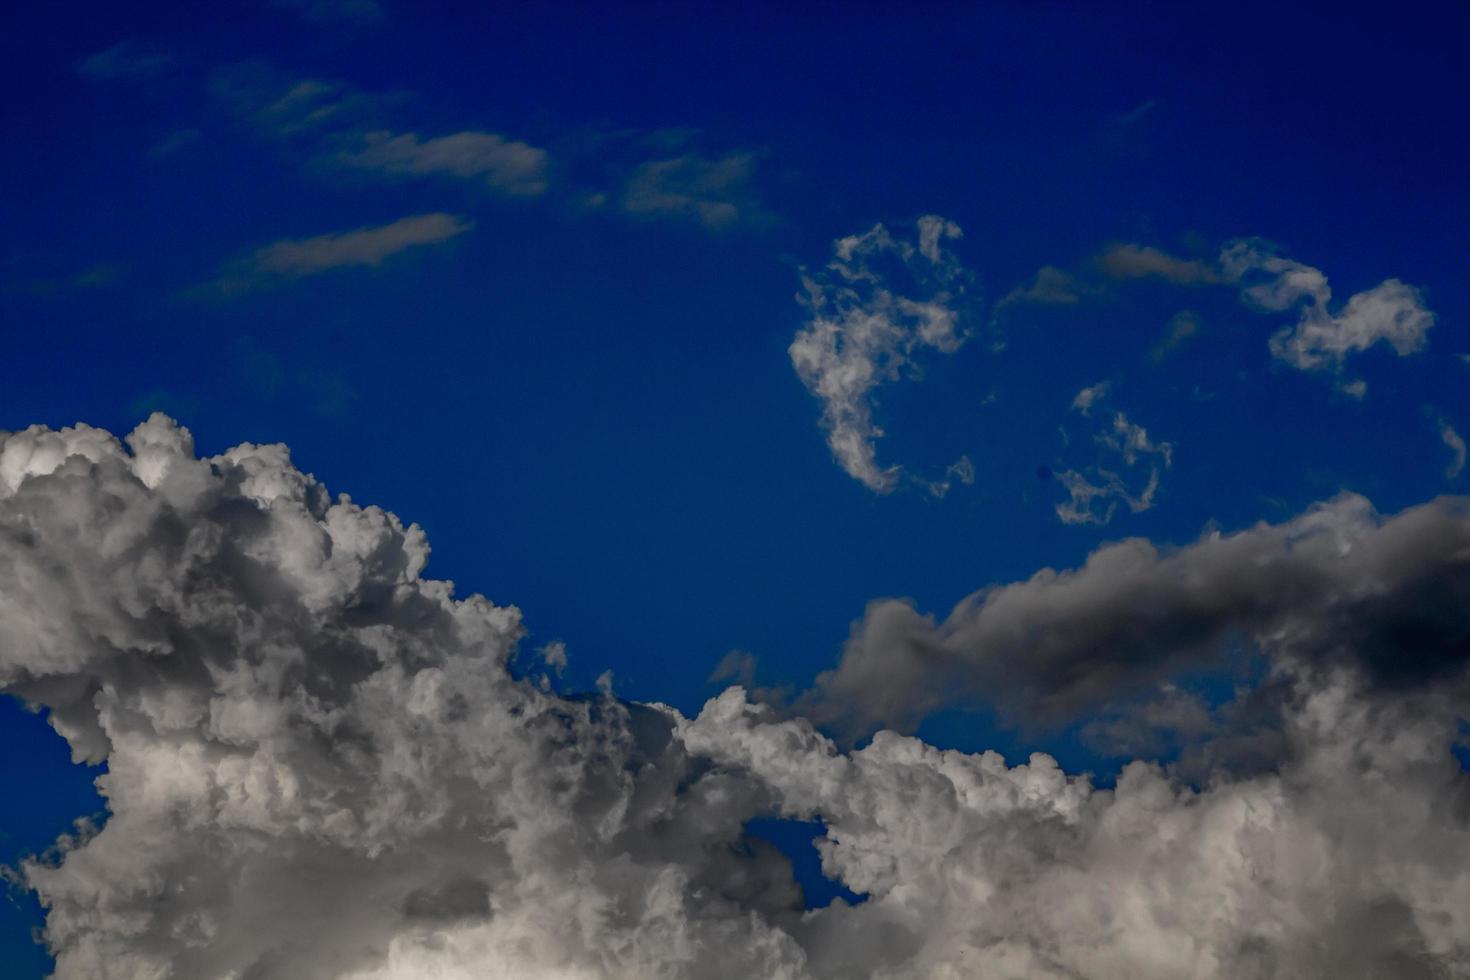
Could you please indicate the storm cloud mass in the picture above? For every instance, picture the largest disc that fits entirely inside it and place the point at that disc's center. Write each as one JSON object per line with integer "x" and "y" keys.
{"x": 320, "y": 765}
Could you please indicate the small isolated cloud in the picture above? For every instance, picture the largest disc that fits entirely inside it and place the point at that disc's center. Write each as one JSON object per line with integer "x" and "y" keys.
{"x": 554, "y": 656}
{"x": 1456, "y": 446}
{"x": 880, "y": 302}
{"x": 509, "y": 166}
{"x": 1182, "y": 327}
{"x": 1392, "y": 312}
{"x": 1093, "y": 497}
{"x": 364, "y": 246}
{"x": 960, "y": 471}
{"x": 126, "y": 59}
{"x": 1132, "y": 442}
{"x": 1096, "y": 503}
{"x": 1088, "y": 396}
{"x": 1124, "y": 261}
{"x": 715, "y": 193}
{"x": 1050, "y": 286}
{"x": 295, "y": 258}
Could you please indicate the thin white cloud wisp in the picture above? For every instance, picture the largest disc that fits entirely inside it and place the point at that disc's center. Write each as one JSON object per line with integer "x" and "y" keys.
{"x": 873, "y": 309}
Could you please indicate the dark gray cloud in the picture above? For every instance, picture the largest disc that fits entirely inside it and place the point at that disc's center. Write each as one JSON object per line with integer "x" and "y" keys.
{"x": 1339, "y": 584}
{"x": 319, "y": 765}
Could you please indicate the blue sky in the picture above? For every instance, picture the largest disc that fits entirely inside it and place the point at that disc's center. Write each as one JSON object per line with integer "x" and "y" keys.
{"x": 530, "y": 279}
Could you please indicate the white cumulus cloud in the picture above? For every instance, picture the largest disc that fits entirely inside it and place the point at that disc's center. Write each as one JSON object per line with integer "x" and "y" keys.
{"x": 319, "y": 766}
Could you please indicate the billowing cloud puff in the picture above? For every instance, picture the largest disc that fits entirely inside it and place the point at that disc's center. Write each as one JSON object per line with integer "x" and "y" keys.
{"x": 879, "y": 303}
{"x": 1345, "y": 863}
{"x": 320, "y": 766}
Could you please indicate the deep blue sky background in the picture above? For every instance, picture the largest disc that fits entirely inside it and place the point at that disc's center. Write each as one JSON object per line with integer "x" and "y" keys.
{"x": 593, "y": 414}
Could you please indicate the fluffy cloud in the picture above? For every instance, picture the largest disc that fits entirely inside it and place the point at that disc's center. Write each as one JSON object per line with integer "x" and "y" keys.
{"x": 864, "y": 333}
{"x": 1392, "y": 312}
{"x": 320, "y": 766}
{"x": 1333, "y": 866}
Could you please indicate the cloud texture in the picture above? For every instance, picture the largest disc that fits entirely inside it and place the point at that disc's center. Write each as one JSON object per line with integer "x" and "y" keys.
{"x": 876, "y": 306}
{"x": 294, "y": 258}
{"x": 1392, "y": 312}
{"x": 321, "y": 766}
{"x": 1339, "y": 585}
